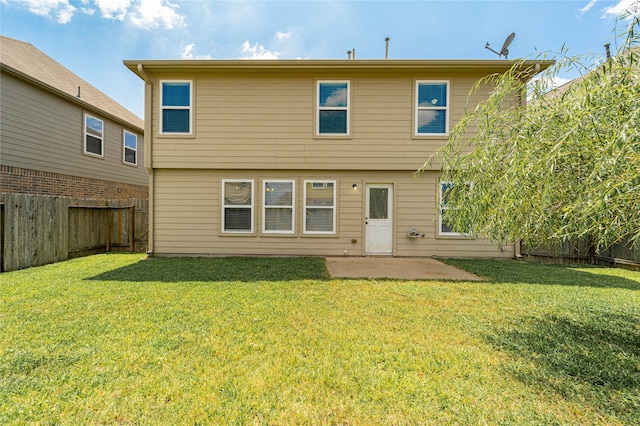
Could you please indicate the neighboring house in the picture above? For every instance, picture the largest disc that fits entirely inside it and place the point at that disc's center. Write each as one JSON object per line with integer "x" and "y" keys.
{"x": 304, "y": 157}
{"x": 61, "y": 136}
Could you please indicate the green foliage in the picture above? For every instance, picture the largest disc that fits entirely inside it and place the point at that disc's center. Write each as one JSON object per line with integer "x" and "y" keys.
{"x": 566, "y": 166}
{"x": 119, "y": 339}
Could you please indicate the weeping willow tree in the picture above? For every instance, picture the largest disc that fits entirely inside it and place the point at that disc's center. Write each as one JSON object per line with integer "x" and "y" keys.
{"x": 565, "y": 166}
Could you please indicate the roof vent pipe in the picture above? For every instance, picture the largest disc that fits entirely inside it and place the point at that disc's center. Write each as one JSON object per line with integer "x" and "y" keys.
{"x": 78, "y": 95}
{"x": 354, "y": 53}
{"x": 386, "y": 48}
{"x": 349, "y": 54}
{"x": 608, "y": 50}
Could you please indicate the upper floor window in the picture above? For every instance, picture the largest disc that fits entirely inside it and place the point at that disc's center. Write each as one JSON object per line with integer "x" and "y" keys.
{"x": 176, "y": 99}
{"x": 319, "y": 207}
{"x": 278, "y": 210}
{"x": 432, "y": 108}
{"x": 93, "y": 135}
{"x": 237, "y": 214}
{"x": 130, "y": 148}
{"x": 333, "y": 108}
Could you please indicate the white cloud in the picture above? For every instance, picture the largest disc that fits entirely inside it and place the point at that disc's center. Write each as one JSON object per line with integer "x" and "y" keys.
{"x": 146, "y": 14}
{"x": 624, "y": 7}
{"x": 86, "y": 9}
{"x": 62, "y": 10}
{"x": 588, "y": 7}
{"x": 187, "y": 53}
{"x": 558, "y": 81}
{"x": 426, "y": 117}
{"x": 337, "y": 98}
{"x": 283, "y": 36}
{"x": 150, "y": 14}
{"x": 257, "y": 51}
{"x": 113, "y": 9}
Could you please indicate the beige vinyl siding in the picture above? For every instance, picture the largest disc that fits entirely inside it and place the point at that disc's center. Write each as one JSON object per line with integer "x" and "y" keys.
{"x": 43, "y": 132}
{"x": 267, "y": 122}
{"x": 187, "y": 209}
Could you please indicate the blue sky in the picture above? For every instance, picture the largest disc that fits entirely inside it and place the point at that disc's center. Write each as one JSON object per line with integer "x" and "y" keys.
{"x": 93, "y": 37}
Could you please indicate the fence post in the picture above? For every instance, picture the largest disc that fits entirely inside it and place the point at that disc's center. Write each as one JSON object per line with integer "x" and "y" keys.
{"x": 132, "y": 228}
{"x": 109, "y": 224}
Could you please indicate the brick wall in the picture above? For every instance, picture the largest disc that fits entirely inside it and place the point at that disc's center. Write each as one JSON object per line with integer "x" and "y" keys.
{"x": 26, "y": 181}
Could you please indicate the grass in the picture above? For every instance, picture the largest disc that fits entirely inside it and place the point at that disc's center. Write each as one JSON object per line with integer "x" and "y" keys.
{"x": 114, "y": 339}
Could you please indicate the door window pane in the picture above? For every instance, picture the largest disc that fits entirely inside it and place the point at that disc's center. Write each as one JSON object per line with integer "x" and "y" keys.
{"x": 378, "y": 203}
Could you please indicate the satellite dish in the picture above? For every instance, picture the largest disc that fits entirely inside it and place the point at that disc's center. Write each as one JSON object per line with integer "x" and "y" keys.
{"x": 505, "y": 46}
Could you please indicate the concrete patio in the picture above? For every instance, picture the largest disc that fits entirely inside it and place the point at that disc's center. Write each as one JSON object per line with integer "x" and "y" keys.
{"x": 395, "y": 268}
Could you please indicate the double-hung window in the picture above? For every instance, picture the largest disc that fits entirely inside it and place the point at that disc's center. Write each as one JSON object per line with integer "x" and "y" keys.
{"x": 319, "y": 207}
{"x": 444, "y": 227}
{"x": 176, "y": 107}
{"x": 332, "y": 107}
{"x": 93, "y": 136}
{"x": 432, "y": 108}
{"x": 278, "y": 208}
{"x": 130, "y": 148}
{"x": 237, "y": 214}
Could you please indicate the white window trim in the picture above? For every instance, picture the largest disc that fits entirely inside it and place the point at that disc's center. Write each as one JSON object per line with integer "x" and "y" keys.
{"x": 333, "y": 207}
{"x": 417, "y": 108}
{"x": 189, "y": 108}
{"x": 84, "y": 139}
{"x": 224, "y": 206}
{"x": 125, "y": 147}
{"x": 440, "y": 210}
{"x": 333, "y": 108}
{"x": 292, "y": 206}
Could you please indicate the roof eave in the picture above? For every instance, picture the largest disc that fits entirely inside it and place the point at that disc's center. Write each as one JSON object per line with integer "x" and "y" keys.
{"x": 339, "y": 65}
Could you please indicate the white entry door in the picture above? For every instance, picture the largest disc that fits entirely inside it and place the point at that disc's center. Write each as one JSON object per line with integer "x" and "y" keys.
{"x": 379, "y": 225}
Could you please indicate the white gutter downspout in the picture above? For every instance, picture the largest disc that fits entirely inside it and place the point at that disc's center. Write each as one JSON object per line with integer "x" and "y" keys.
{"x": 148, "y": 105}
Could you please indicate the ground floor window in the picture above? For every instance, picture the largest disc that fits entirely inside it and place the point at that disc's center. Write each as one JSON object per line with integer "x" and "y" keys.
{"x": 444, "y": 227}
{"x": 319, "y": 207}
{"x": 278, "y": 206}
{"x": 237, "y": 215}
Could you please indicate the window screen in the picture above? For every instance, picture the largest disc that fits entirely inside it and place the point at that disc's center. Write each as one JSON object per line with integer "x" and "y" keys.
{"x": 176, "y": 107}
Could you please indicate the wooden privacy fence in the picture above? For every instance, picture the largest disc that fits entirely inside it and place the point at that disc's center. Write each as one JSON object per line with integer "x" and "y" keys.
{"x": 621, "y": 254}
{"x": 36, "y": 229}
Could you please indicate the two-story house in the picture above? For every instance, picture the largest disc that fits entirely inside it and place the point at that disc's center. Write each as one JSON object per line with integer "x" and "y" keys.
{"x": 305, "y": 157}
{"x": 59, "y": 135}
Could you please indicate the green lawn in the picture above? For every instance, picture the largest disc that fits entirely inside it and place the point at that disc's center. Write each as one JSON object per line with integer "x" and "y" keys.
{"x": 115, "y": 339}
